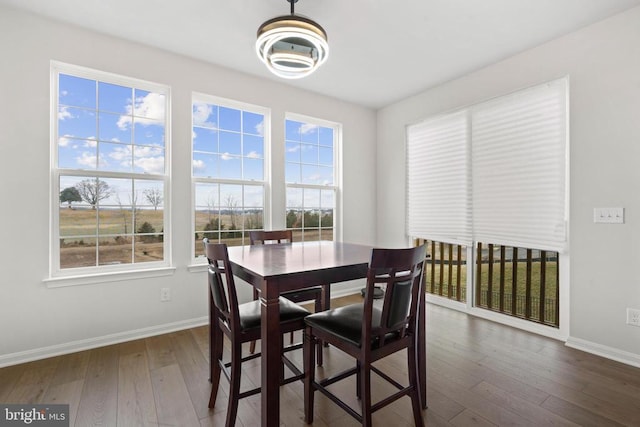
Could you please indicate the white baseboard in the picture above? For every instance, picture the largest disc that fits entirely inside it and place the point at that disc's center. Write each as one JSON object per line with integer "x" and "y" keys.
{"x": 604, "y": 351}
{"x": 87, "y": 344}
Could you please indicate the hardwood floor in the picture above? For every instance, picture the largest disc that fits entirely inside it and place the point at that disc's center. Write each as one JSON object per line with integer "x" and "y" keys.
{"x": 479, "y": 373}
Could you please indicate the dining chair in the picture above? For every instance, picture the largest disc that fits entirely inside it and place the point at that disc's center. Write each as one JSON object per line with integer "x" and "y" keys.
{"x": 369, "y": 332}
{"x": 241, "y": 324}
{"x": 315, "y": 293}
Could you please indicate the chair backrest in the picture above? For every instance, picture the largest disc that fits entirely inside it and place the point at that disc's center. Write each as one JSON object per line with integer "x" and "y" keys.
{"x": 261, "y": 237}
{"x": 400, "y": 270}
{"x": 221, "y": 283}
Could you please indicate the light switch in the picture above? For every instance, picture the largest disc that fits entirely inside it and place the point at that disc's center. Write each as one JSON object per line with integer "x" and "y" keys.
{"x": 608, "y": 215}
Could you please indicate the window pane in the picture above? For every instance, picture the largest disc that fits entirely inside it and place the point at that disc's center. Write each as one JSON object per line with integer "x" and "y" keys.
{"x": 150, "y": 105}
{"x": 309, "y": 153}
{"x": 325, "y": 155}
{"x": 77, "y": 153}
{"x": 77, "y": 221}
{"x": 76, "y": 91}
{"x": 253, "y": 169}
{"x": 205, "y": 115}
{"x": 292, "y": 130}
{"x": 148, "y": 160}
{"x": 76, "y": 123}
{"x": 205, "y": 165}
{"x": 229, "y": 119}
{"x": 230, "y": 143}
{"x": 114, "y": 128}
{"x": 310, "y": 174}
{"x": 253, "y": 147}
{"x": 230, "y": 167}
{"x": 114, "y": 98}
{"x": 326, "y": 137}
{"x": 150, "y": 193}
{"x": 292, "y": 172}
{"x": 148, "y": 132}
{"x": 205, "y": 140}
{"x": 114, "y": 251}
{"x": 78, "y": 252}
{"x": 252, "y": 123}
{"x": 309, "y": 133}
{"x": 115, "y": 157}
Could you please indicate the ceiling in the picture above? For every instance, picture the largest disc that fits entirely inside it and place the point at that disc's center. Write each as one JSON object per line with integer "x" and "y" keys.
{"x": 380, "y": 50}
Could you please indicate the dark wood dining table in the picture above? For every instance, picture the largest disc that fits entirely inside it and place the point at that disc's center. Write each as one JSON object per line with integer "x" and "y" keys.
{"x": 274, "y": 269}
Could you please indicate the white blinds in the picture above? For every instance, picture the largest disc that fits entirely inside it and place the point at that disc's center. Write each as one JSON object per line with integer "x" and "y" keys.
{"x": 438, "y": 198}
{"x": 493, "y": 173}
{"x": 518, "y": 157}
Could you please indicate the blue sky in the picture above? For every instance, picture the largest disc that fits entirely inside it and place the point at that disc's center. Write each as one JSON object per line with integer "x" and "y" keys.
{"x": 109, "y": 127}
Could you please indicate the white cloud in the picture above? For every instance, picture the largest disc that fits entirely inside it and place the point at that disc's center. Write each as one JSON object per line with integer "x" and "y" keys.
{"x": 198, "y": 164}
{"x": 121, "y": 153}
{"x": 307, "y": 127}
{"x": 293, "y": 148}
{"x": 64, "y": 140}
{"x": 150, "y": 164}
{"x": 226, "y": 156}
{"x": 201, "y": 114}
{"x": 63, "y": 114}
{"x": 147, "y": 109}
{"x": 253, "y": 155}
{"x": 260, "y": 128}
{"x": 88, "y": 159}
{"x": 91, "y": 143}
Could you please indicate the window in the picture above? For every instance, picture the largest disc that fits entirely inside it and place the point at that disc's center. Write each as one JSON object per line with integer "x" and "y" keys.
{"x": 110, "y": 181}
{"x": 491, "y": 181}
{"x": 310, "y": 175}
{"x": 229, "y": 162}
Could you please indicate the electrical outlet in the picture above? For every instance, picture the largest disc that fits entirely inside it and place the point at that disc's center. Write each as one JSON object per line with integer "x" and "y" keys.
{"x": 633, "y": 317}
{"x": 165, "y": 294}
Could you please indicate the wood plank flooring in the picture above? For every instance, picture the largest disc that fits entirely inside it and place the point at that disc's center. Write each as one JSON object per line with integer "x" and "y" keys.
{"x": 479, "y": 373}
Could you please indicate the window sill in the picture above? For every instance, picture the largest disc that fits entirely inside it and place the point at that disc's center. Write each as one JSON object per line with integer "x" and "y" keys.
{"x": 194, "y": 268}
{"x": 92, "y": 279}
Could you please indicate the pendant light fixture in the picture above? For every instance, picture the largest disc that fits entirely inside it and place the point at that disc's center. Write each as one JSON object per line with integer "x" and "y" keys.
{"x": 292, "y": 46}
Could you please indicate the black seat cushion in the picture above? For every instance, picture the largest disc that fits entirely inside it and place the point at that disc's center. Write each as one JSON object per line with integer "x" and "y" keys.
{"x": 344, "y": 322}
{"x": 250, "y": 313}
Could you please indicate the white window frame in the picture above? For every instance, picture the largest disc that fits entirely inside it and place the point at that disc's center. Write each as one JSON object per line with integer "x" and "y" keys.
{"x": 337, "y": 170}
{"x": 104, "y": 273}
{"x": 266, "y": 182}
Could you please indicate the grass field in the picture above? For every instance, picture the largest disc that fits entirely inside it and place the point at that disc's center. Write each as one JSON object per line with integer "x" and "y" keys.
{"x": 120, "y": 241}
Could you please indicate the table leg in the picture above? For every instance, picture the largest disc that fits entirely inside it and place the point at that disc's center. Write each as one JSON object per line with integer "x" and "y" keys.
{"x": 271, "y": 355}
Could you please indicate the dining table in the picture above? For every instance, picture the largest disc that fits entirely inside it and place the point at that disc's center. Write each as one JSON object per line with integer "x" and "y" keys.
{"x": 278, "y": 268}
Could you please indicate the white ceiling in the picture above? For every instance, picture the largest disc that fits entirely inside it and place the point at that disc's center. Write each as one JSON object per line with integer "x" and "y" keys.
{"x": 380, "y": 50}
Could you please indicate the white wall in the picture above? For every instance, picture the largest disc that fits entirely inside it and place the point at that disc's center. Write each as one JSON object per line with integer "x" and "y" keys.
{"x": 36, "y": 320}
{"x": 603, "y": 62}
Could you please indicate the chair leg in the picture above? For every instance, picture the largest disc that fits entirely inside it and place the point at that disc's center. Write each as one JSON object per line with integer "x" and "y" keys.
{"x": 234, "y": 385}
{"x": 214, "y": 362}
{"x": 309, "y": 365}
{"x": 318, "y": 307}
{"x": 365, "y": 391}
{"x": 416, "y": 404}
{"x": 358, "y": 379}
